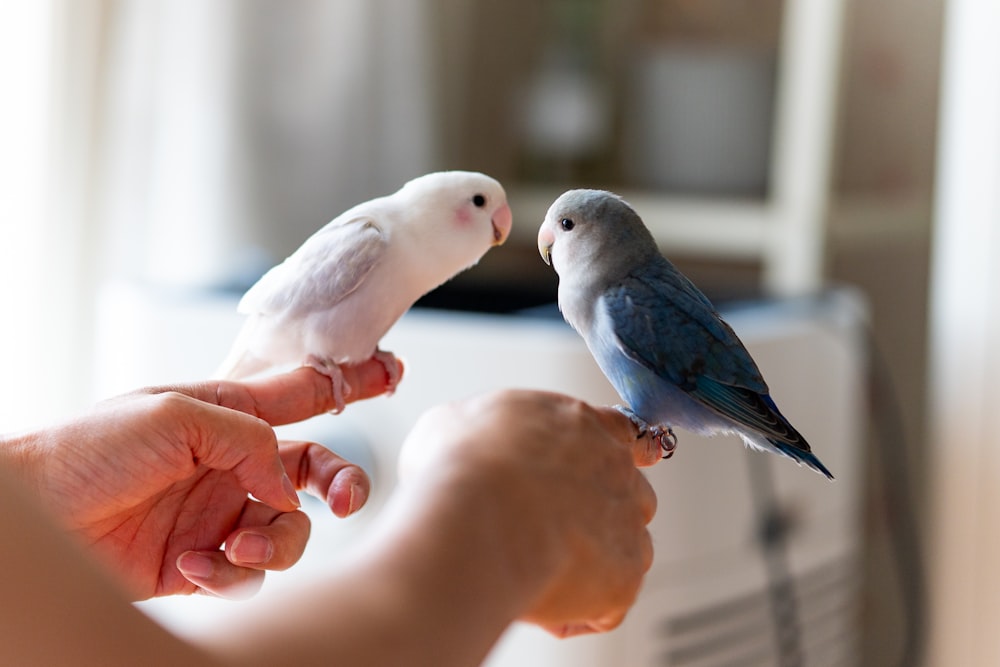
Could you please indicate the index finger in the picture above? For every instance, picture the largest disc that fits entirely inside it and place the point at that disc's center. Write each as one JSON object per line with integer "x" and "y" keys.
{"x": 645, "y": 452}
{"x": 288, "y": 397}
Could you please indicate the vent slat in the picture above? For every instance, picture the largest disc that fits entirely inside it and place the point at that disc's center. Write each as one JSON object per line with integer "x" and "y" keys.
{"x": 739, "y": 632}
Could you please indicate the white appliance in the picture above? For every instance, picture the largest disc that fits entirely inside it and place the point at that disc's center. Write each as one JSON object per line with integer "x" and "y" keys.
{"x": 757, "y": 559}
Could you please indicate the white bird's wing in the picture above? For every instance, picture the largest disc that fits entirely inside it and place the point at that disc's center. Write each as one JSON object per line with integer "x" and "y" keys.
{"x": 324, "y": 270}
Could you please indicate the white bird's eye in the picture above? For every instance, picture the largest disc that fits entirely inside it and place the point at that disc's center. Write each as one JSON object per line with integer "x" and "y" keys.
{"x": 479, "y": 201}
{"x": 567, "y": 224}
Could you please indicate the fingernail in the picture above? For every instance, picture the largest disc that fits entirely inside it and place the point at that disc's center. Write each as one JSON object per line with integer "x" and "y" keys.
{"x": 354, "y": 501}
{"x": 195, "y": 565}
{"x": 252, "y": 548}
{"x": 290, "y": 492}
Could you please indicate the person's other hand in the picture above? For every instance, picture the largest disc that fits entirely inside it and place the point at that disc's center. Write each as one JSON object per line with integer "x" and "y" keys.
{"x": 157, "y": 481}
{"x": 557, "y": 479}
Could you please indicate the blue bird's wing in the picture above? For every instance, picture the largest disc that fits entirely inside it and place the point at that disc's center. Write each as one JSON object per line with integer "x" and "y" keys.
{"x": 664, "y": 323}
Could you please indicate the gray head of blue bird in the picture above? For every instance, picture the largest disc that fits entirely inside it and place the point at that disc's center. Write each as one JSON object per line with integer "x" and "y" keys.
{"x": 594, "y": 234}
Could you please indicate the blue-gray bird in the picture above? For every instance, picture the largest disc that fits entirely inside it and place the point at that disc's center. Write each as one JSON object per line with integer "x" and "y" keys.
{"x": 656, "y": 337}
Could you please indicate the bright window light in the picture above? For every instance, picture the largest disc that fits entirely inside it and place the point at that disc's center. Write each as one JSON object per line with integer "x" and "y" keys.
{"x": 25, "y": 77}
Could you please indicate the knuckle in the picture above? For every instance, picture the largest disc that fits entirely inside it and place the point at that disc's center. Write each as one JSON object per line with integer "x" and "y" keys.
{"x": 647, "y": 552}
{"x": 290, "y": 544}
{"x": 610, "y": 621}
{"x": 169, "y": 403}
{"x": 235, "y": 397}
{"x": 647, "y": 498}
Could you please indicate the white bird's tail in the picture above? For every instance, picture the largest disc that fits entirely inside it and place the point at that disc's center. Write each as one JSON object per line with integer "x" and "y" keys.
{"x": 239, "y": 363}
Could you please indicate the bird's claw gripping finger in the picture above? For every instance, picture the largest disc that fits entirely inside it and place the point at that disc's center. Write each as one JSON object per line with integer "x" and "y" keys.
{"x": 666, "y": 439}
{"x": 638, "y": 421}
{"x": 332, "y": 370}
{"x": 388, "y": 360}
{"x": 662, "y": 436}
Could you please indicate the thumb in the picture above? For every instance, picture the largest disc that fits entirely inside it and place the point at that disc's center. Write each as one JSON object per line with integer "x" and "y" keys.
{"x": 246, "y": 446}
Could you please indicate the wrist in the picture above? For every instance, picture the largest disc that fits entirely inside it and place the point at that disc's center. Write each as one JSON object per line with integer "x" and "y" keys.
{"x": 492, "y": 523}
{"x": 20, "y": 453}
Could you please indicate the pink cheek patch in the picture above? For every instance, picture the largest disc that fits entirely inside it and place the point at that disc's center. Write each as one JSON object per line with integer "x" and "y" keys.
{"x": 463, "y": 217}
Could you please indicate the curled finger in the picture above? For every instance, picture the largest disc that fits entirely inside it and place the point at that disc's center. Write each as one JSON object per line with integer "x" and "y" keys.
{"x": 342, "y": 485}
{"x": 268, "y": 540}
{"x": 646, "y": 497}
{"x": 213, "y": 574}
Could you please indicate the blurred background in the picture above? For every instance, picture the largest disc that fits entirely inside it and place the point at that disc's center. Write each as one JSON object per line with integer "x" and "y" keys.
{"x": 776, "y": 148}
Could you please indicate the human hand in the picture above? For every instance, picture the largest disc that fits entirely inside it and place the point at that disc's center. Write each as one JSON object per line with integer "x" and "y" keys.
{"x": 156, "y": 481}
{"x": 559, "y": 480}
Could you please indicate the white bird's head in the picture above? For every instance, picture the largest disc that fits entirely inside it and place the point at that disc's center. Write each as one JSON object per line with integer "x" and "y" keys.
{"x": 459, "y": 215}
{"x": 591, "y": 231}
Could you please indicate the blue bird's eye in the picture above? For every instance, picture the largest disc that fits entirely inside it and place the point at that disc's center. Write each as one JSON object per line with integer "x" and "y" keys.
{"x": 479, "y": 201}
{"x": 567, "y": 224}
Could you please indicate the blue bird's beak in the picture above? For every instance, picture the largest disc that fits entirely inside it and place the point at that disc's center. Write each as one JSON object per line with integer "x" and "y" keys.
{"x": 545, "y": 242}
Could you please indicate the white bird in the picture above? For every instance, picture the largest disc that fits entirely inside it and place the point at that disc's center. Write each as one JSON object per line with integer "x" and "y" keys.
{"x": 332, "y": 300}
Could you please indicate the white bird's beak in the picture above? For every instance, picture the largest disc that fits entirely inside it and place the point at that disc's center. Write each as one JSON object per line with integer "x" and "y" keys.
{"x": 502, "y": 221}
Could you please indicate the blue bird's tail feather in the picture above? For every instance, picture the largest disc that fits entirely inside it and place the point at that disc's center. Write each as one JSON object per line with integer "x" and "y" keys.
{"x": 800, "y": 456}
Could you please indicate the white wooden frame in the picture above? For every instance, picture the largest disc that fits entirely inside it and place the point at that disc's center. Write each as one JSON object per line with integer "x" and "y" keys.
{"x": 786, "y": 230}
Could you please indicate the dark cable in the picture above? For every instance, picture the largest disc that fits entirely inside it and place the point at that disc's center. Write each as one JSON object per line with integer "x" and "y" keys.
{"x": 897, "y": 494}
{"x": 773, "y": 528}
